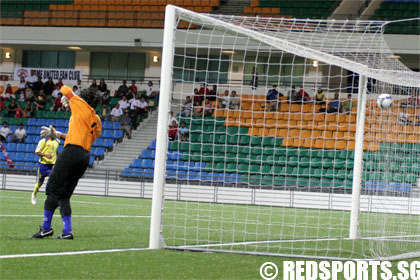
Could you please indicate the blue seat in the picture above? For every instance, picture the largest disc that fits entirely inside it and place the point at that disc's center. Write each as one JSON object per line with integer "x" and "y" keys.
{"x": 193, "y": 175}
{"x": 107, "y": 134}
{"x": 13, "y": 127}
{"x": 99, "y": 152}
{"x": 118, "y": 134}
{"x": 116, "y": 125}
{"x": 30, "y": 148}
{"x": 33, "y": 130}
{"x": 28, "y": 157}
{"x": 60, "y": 149}
{"x": 108, "y": 143}
{"x": 147, "y": 164}
{"x": 127, "y": 172}
{"x": 20, "y": 147}
{"x": 171, "y": 165}
{"x": 11, "y": 147}
{"x": 136, "y": 163}
{"x": 107, "y": 125}
{"x": 12, "y": 155}
{"x": 60, "y": 123}
{"x": 20, "y": 156}
{"x": 43, "y": 122}
{"x": 32, "y": 121}
{"x": 146, "y": 154}
{"x": 91, "y": 160}
{"x": 148, "y": 172}
{"x": 19, "y": 165}
{"x": 138, "y": 172}
{"x": 53, "y": 122}
{"x": 174, "y": 155}
{"x": 152, "y": 145}
{"x": 99, "y": 142}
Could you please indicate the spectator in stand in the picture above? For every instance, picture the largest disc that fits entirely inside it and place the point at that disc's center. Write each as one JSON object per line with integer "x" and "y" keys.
{"x": 22, "y": 96}
{"x": 334, "y": 106}
{"x": 172, "y": 118}
{"x": 418, "y": 120}
{"x": 348, "y": 104}
{"x": 38, "y": 85}
{"x": 124, "y": 105}
{"x": 133, "y": 87}
{"x": 104, "y": 112}
{"x": 58, "y": 105}
{"x": 11, "y": 109}
{"x": 173, "y": 131}
{"x": 76, "y": 90}
{"x": 28, "y": 111}
{"x": 204, "y": 91}
{"x": 59, "y": 83}
{"x": 183, "y": 132}
{"x": 187, "y": 107}
{"x": 198, "y": 109}
{"x": 208, "y": 108}
{"x": 224, "y": 99}
{"x": 49, "y": 86}
{"x": 150, "y": 90}
{"x": 106, "y": 97}
{"x": 197, "y": 96}
{"x": 40, "y": 101}
{"x": 304, "y": 96}
{"x": 102, "y": 87}
{"x": 294, "y": 96}
{"x": 254, "y": 79}
{"x": 122, "y": 89}
{"x": 320, "y": 97}
{"x": 213, "y": 93}
{"x": 126, "y": 124}
{"x": 56, "y": 91}
{"x": 94, "y": 84}
{"x": 143, "y": 106}
{"x": 116, "y": 113}
{"x": 271, "y": 98}
{"x": 2, "y": 105}
{"x": 413, "y": 101}
{"x": 29, "y": 94}
{"x": 5, "y": 131}
{"x": 234, "y": 102}
{"x": 134, "y": 111}
{"x": 8, "y": 93}
{"x": 32, "y": 78}
{"x": 19, "y": 112}
{"x": 22, "y": 84}
{"x": 20, "y": 135}
{"x": 129, "y": 94}
{"x": 404, "y": 117}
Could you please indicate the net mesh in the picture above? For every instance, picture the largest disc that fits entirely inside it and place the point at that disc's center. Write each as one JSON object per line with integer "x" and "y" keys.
{"x": 257, "y": 166}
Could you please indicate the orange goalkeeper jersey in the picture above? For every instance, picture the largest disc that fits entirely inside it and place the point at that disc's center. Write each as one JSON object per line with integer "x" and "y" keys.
{"x": 84, "y": 125}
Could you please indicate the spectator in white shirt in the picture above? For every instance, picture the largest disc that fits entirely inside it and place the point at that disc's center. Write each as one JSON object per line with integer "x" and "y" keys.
{"x": 186, "y": 108}
{"x": 33, "y": 78}
{"x": 134, "y": 110}
{"x": 404, "y": 117}
{"x": 124, "y": 105}
{"x": 116, "y": 113}
{"x": 143, "y": 106}
{"x": 19, "y": 135}
{"x": 5, "y": 131}
{"x": 22, "y": 83}
{"x": 172, "y": 118}
{"x": 76, "y": 90}
{"x": 150, "y": 90}
{"x": 57, "y": 90}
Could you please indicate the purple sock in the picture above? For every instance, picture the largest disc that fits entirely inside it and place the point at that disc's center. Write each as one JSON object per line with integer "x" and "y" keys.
{"x": 47, "y": 219}
{"x": 67, "y": 224}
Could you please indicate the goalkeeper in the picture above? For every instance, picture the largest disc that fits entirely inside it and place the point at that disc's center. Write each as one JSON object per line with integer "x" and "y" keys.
{"x": 47, "y": 150}
{"x": 84, "y": 127}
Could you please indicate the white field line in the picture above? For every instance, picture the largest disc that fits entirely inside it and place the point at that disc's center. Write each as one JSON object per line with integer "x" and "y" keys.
{"x": 78, "y": 216}
{"x": 391, "y": 236}
{"x": 75, "y": 201}
{"x": 71, "y": 253}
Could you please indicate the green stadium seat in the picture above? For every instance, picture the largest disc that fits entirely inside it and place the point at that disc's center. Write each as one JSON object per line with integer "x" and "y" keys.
{"x": 233, "y": 140}
{"x": 256, "y": 151}
{"x": 244, "y": 140}
{"x": 221, "y": 139}
{"x": 254, "y": 168}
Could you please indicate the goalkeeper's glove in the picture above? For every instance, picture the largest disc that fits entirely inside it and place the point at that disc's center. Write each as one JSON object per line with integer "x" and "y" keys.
{"x": 65, "y": 102}
{"x": 49, "y": 132}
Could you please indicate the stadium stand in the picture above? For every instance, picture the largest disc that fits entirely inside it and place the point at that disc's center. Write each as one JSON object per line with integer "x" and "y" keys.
{"x": 95, "y": 13}
{"x": 318, "y": 154}
{"x": 396, "y": 10}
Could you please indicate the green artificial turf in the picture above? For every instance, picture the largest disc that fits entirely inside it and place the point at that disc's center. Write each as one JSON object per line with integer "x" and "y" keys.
{"x": 125, "y": 224}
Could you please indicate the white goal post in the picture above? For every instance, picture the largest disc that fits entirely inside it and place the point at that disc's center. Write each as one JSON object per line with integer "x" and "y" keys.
{"x": 288, "y": 163}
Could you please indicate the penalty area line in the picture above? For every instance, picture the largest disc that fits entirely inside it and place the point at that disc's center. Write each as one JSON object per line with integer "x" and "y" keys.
{"x": 71, "y": 253}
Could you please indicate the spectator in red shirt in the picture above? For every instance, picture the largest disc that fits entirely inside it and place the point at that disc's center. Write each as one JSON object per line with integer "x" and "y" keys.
{"x": 8, "y": 92}
{"x": 204, "y": 91}
{"x": 60, "y": 82}
{"x": 304, "y": 96}
{"x": 2, "y": 106}
{"x": 19, "y": 112}
{"x": 173, "y": 131}
{"x": 198, "y": 96}
{"x": 133, "y": 86}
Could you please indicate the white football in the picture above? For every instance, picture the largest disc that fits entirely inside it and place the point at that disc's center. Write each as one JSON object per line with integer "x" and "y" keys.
{"x": 384, "y": 101}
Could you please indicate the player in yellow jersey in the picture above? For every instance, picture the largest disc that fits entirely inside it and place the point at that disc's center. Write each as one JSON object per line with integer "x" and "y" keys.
{"x": 84, "y": 127}
{"x": 47, "y": 150}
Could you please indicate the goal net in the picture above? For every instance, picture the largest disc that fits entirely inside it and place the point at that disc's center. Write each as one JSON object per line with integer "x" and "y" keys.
{"x": 276, "y": 144}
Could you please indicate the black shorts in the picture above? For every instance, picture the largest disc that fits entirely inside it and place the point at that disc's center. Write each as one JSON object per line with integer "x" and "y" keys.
{"x": 68, "y": 169}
